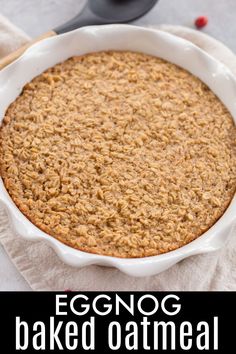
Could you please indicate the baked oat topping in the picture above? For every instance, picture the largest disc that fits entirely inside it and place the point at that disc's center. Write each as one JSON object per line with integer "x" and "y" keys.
{"x": 119, "y": 153}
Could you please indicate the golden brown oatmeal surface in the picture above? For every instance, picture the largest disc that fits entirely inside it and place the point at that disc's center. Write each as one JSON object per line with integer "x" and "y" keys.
{"x": 119, "y": 153}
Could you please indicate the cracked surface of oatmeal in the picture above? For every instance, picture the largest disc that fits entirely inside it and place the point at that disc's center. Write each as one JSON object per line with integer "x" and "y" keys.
{"x": 119, "y": 153}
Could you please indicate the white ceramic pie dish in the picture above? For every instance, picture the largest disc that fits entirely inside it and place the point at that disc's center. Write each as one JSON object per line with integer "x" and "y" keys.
{"x": 51, "y": 51}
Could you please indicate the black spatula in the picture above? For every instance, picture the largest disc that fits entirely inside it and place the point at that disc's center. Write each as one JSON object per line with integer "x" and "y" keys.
{"x": 100, "y": 12}
{"x": 95, "y": 12}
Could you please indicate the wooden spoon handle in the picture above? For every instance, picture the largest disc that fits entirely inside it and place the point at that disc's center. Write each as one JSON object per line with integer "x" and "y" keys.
{"x": 13, "y": 56}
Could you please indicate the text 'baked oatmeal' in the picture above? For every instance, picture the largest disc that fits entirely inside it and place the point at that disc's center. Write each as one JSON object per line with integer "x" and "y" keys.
{"x": 120, "y": 154}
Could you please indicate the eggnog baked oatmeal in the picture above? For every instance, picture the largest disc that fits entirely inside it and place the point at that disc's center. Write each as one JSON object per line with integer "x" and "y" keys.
{"x": 119, "y": 153}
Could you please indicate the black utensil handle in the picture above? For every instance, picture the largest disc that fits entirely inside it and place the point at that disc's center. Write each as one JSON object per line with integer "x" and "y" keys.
{"x": 92, "y": 14}
{"x": 85, "y": 18}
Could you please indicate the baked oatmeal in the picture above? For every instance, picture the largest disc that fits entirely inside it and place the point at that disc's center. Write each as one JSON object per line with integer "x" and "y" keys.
{"x": 120, "y": 154}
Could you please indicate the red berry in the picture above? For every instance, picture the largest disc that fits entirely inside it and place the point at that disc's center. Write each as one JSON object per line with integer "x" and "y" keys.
{"x": 201, "y": 21}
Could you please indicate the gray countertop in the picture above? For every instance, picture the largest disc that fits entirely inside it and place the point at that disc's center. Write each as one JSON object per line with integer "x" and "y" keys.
{"x": 36, "y": 17}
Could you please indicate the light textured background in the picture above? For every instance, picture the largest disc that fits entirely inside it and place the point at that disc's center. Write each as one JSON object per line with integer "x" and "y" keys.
{"x": 38, "y": 16}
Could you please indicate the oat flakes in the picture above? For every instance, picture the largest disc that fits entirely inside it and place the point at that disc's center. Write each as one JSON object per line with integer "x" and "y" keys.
{"x": 119, "y": 153}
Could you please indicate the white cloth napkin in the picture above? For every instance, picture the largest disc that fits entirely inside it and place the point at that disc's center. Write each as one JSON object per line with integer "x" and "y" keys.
{"x": 11, "y": 37}
{"x": 42, "y": 268}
